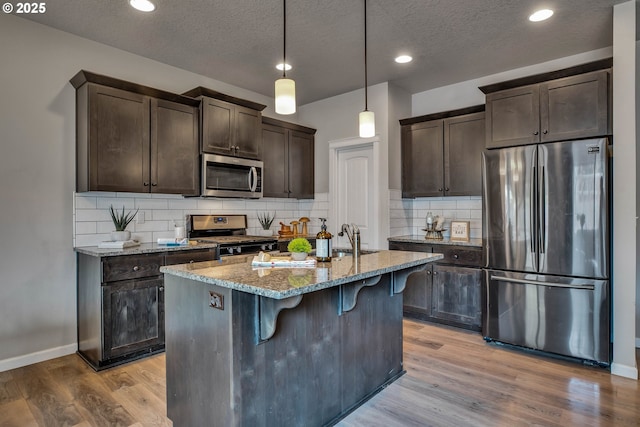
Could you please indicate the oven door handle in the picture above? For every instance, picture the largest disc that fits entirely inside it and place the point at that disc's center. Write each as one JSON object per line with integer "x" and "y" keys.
{"x": 253, "y": 179}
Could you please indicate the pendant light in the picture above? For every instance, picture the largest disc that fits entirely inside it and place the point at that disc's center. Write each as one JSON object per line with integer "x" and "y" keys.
{"x": 366, "y": 118}
{"x": 285, "y": 88}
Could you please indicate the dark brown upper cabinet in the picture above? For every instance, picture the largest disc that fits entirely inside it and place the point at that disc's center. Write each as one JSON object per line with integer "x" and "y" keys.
{"x": 441, "y": 154}
{"x": 132, "y": 138}
{"x": 288, "y": 156}
{"x": 230, "y": 126}
{"x": 571, "y": 107}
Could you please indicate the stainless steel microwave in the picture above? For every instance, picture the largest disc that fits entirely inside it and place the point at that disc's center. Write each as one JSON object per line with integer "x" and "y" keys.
{"x": 224, "y": 176}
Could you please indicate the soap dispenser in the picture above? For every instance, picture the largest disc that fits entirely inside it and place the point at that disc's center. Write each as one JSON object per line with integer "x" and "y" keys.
{"x": 323, "y": 243}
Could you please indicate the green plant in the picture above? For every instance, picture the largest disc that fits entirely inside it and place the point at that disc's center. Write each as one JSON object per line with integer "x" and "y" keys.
{"x": 299, "y": 244}
{"x": 120, "y": 219}
{"x": 266, "y": 219}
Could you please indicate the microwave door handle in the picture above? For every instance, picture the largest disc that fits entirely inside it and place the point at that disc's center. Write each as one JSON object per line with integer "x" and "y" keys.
{"x": 253, "y": 179}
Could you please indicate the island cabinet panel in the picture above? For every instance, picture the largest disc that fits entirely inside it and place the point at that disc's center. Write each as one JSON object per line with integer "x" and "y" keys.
{"x": 133, "y": 138}
{"x": 288, "y": 156}
{"x": 443, "y": 157}
{"x": 571, "y": 107}
{"x": 317, "y": 366}
{"x": 447, "y": 291}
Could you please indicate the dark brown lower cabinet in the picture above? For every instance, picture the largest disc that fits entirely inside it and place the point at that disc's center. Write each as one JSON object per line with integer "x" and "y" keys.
{"x": 121, "y": 304}
{"x": 448, "y": 291}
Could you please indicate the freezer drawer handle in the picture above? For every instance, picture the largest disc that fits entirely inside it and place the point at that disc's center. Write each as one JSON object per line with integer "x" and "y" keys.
{"x": 535, "y": 282}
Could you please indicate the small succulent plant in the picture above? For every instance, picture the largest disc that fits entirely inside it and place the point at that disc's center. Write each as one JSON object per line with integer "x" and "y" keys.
{"x": 120, "y": 219}
{"x": 266, "y": 219}
{"x": 299, "y": 244}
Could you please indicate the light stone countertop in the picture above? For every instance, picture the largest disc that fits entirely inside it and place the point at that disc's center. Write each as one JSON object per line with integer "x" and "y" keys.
{"x": 421, "y": 239}
{"x": 279, "y": 283}
{"x": 144, "y": 248}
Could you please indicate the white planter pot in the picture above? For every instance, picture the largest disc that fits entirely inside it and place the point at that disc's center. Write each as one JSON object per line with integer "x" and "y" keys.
{"x": 298, "y": 256}
{"x": 265, "y": 233}
{"x": 120, "y": 236}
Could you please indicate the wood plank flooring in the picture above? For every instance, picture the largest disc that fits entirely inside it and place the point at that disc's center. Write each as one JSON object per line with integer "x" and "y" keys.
{"x": 453, "y": 378}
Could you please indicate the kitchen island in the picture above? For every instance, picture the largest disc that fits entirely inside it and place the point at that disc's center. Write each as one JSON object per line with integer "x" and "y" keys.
{"x": 250, "y": 346}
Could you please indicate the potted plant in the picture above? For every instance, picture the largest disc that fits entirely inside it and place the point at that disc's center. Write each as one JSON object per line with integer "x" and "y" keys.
{"x": 120, "y": 221}
{"x": 266, "y": 219}
{"x": 299, "y": 248}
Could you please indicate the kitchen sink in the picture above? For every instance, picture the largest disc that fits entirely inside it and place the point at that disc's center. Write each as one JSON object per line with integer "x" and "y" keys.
{"x": 342, "y": 252}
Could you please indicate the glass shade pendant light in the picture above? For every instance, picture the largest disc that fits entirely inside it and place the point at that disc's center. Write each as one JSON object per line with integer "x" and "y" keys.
{"x": 366, "y": 118}
{"x": 285, "y": 88}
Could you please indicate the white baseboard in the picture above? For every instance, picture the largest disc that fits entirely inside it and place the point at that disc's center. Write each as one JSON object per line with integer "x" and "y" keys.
{"x": 39, "y": 356}
{"x": 624, "y": 371}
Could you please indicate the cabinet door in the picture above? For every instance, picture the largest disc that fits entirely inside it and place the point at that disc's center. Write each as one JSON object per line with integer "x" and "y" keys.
{"x": 575, "y": 107}
{"x": 275, "y": 181}
{"x": 301, "y": 159}
{"x": 456, "y": 295}
{"x": 464, "y": 139}
{"x": 174, "y": 148}
{"x": 119, "y": 140}
{"x": 416, "y": 297}
{"x": 513, "y": 117}
{"x": 422, "y": 154}
{"x": 218, "y": 123}
{"x": 133, "y": 313}
{"x": 247, "y": 141}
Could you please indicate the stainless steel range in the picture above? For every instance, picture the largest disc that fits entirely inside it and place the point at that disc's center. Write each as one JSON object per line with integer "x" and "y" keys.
{"x": 229, "y": 232}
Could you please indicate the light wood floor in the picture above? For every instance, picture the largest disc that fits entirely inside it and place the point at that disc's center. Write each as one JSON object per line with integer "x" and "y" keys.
{"x": 453, "y": 379}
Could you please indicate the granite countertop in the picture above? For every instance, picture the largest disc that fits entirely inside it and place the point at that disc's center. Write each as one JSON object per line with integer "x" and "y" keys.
{"x": 421, "y": 239}
{"x": 144, "y": 248}
{"x": 278, "y": 283}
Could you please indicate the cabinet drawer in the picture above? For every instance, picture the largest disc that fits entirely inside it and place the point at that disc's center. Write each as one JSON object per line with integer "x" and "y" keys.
{"x": 131, "y": 267}
{"x": 186, "y": 257}
{"x": 459, "y": 255}
{"x": 409, "y": 246}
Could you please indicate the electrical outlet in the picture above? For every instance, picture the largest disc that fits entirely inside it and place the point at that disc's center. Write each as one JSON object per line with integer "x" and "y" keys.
{"x": 140, "y": 217}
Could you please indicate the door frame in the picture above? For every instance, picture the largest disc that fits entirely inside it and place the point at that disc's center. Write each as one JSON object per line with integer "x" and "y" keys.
{"x": 378, "y": 189}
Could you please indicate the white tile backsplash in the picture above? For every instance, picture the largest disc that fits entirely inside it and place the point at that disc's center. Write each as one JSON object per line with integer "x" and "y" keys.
{"x": 92, "y": 222}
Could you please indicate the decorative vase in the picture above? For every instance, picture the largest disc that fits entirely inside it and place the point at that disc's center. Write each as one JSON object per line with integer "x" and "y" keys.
{"x": 298, "y": 256}
{"x": 120, "y": 236}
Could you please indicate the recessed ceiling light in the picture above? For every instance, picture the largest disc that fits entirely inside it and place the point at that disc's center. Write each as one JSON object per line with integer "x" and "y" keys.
{"x": 280, "y": 66}
{"x": 143, "y": 5}
{"x": 403, "y": 59}
{"x": 540, "y": 15}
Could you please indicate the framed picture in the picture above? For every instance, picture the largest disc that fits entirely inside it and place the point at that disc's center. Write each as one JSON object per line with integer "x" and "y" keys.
{"x": 460, "y": 231}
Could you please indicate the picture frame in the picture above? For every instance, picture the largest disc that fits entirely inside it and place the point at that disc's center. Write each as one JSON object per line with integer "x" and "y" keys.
{"x": 460, "y": 231}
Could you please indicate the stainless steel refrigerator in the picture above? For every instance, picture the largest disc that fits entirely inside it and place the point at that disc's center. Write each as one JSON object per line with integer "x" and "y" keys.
{"x": 546, "y": 236}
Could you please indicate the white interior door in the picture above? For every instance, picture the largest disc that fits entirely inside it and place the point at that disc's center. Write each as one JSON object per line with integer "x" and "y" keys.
{"x": 356, "y": 194}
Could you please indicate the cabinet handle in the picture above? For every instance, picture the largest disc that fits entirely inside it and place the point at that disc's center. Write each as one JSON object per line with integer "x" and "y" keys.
{"x": 161, "y": 288}
{"x": 440, "y": 189}
{"x": 146, "y": 184}
{"x": 545, "y": 131}
{"x": 429, "y": 273}
{"x": 455, "y": 256}
{"x": 446, "y": 189}
{"x": 535, "y": 132}
{"x": 136, "y": 268}
{"x": 435, "y": 273}
{"x": 154, "y": 184}
{"x": 191, "y": 261}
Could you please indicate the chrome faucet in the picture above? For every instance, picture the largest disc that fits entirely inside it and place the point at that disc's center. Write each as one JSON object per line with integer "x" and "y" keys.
{"x": 353, "y": 234}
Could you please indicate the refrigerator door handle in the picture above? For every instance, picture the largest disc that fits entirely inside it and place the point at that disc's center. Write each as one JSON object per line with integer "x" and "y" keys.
{"x": 542, "y": 233}
{"x": 548, "y": 284}
{"x": 532, "y": 215}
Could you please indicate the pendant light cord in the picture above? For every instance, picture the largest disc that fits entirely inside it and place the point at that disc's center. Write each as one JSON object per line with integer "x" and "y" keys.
{"x": 284, "y": 43}
{"x": 365, "y": 56}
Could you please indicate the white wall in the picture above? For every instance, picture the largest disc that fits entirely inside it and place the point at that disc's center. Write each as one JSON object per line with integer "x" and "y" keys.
{"x": 624, "y": 190}
{"x": 37, "y": 171}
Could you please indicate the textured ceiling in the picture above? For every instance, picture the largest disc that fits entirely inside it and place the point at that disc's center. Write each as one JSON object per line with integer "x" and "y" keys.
{"x": 240, "y": 41}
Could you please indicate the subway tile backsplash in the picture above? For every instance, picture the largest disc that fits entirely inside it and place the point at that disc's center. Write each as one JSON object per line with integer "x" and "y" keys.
{"x": 161, "y": 213}
{"x": 408, "y": 216}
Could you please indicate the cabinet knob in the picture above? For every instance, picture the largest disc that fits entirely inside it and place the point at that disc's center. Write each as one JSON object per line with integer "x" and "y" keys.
{"x": 446, "y": 189}
{"x": 545, "y": 131}
{"x": 161, "y": 288}
{"x": 535, "y": 132}
{"x": 146, "y": 184}
{"x": 191, "y": 261}
{"x": 435, "y": 273}
{"x": 136, "y": 268}
{"x": 429, "y": 272}
{"x": 154, "y": 184}
{"x": 440, "y": 189}
{"x": 455, "y": 256}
